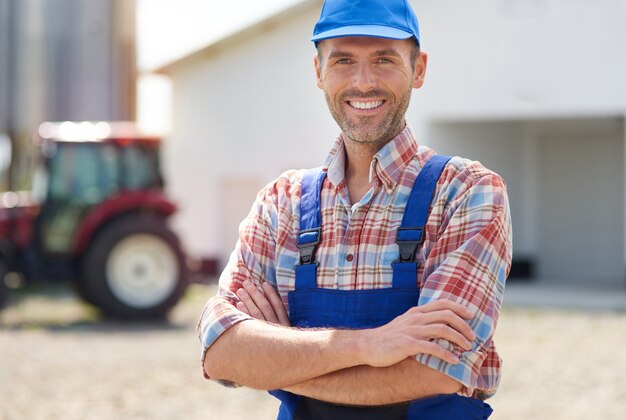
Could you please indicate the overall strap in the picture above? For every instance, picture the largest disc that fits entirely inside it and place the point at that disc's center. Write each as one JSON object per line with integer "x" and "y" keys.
{"x": 410, "y": 234}
{"x": 310, "y": 233}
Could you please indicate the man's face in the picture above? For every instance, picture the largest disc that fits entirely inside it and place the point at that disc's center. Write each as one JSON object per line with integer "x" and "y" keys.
{"x": 367, "y": 83}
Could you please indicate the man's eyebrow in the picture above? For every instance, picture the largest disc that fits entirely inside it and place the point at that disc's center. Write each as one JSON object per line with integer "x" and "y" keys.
{"x": 390, "y": 51}
{"x": 379, "y": 53}
{"x": 337, "y": 54}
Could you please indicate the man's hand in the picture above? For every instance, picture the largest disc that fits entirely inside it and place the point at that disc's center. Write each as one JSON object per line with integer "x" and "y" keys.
{"x": 263, "y": 304}
{"x": 412, "y": 333}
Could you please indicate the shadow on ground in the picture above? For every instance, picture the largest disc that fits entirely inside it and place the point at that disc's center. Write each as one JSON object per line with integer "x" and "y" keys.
{"x": 57, "y": 308}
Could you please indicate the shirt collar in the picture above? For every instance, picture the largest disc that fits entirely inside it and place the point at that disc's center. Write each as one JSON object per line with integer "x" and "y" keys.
{"x": 335, "y": 163}
{"x": 391, "y": 160}
{"x": 387, "y": 165}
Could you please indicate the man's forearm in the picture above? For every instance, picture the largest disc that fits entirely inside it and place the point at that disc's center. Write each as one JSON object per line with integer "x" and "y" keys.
{"x": 366, "y": 385}
{"x": 264, "y": 356}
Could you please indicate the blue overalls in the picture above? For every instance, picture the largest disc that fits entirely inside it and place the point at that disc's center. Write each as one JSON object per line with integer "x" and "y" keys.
{"x": 311, "y": 307}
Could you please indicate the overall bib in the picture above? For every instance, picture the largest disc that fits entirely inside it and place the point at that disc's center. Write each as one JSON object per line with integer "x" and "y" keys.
{"x": 313, "y": 307}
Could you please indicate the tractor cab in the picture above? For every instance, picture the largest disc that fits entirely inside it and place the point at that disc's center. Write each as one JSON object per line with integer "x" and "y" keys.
{"x": 89, "y": 167}
{"x": 97, "y": 216}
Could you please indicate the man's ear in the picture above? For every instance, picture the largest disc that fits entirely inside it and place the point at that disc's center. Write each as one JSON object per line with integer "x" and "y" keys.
{"x": 318, "y": 70}
{"x": 419, "y": 75}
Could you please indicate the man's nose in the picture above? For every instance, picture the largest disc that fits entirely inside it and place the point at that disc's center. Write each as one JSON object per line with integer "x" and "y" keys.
{"x": 364, "y": 78}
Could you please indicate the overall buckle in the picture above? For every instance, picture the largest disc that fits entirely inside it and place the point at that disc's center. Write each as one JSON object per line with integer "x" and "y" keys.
{"x": 307, "y": 244}
{"x": 408, "y": 240}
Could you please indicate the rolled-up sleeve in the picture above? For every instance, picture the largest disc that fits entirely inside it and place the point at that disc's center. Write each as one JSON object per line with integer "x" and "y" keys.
{"x": 469, "y": 264}
{"x": 252, "y": 259}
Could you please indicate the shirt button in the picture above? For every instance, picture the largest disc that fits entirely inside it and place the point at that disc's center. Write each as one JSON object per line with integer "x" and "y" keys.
{"x": 349, "y": 257}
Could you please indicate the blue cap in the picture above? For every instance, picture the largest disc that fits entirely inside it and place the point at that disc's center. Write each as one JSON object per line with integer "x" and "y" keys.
{"x": 394, "y": 19}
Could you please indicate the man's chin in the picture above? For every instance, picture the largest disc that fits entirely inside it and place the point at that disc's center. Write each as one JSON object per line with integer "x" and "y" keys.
{"x": 365, "y": 138}
{"x": 369, "y": 134}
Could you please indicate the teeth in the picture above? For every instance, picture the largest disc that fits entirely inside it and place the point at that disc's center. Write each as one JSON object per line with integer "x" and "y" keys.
{"x": 365, "y": 105}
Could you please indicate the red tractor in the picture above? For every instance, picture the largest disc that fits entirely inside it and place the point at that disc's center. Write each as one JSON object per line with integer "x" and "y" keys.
{"x": 97, "y": 216}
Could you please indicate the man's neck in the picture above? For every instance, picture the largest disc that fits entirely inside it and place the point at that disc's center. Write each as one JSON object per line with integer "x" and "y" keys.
{"x": 358, "y": 160}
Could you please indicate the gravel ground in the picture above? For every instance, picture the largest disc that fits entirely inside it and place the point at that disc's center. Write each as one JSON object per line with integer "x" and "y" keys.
{"x": 59, "y": 360}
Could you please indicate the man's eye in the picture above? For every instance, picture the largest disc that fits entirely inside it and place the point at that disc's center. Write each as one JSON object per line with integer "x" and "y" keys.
{"x": 384, "y": 60}
{"x": 343, "y": 61}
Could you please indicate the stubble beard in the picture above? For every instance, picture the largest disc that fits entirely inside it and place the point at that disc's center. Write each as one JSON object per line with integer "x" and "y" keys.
{"x": 358, "y": 129}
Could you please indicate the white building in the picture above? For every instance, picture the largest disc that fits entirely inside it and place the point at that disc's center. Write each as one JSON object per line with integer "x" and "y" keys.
{"x": 533, "y": 89}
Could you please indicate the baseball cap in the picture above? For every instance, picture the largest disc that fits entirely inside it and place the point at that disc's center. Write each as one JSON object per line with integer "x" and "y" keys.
{"x": 393, "y": 19}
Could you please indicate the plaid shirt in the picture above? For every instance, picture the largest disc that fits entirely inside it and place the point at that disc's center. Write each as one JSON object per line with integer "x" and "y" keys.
{"x": 465, "y": 258}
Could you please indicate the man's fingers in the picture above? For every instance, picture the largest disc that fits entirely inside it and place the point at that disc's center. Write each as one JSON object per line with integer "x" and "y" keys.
{"x": 428, "y": 347}
{"x": 260, "y": 301}
{"x": 447, "y": 317}
{"x": 277, "y": 304}
{"x": 243, "y": 308}
{"x": 447, "y": 312}
{"x": 442, "y": 304}
{"x": 251, "y": 308}
{"x": 264, "y": 303}
{"x": 447, "y": 333}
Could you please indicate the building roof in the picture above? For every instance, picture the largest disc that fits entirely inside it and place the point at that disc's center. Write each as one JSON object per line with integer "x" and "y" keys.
{"x": 263, "y": 26}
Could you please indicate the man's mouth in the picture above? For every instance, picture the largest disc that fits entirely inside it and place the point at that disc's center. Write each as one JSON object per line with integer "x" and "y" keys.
{"x": 365, "y": 104}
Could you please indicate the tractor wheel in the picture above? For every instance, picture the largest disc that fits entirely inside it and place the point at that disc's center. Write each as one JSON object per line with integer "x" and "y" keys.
{"x": 82, "y": 291}
{"x": 134, "y": 268}
{"x": 4, "y": 290}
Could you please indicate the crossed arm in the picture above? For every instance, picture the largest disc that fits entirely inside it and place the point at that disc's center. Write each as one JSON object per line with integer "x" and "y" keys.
{"x": 374, "y": 366}
{"x": 361, "y": 367}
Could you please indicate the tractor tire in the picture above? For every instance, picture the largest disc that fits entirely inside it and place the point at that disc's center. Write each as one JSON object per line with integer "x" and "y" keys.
{"x": 134, "y": 268}
{"x": 82, "y": 290}
{"x": 4, "y": 290}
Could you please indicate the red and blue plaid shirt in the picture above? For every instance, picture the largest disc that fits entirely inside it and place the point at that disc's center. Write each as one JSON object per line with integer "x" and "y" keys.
{"x": 465, "y": 258}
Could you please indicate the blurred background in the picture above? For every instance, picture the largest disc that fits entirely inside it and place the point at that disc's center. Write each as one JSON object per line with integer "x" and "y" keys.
{"x": 134, "y": 136}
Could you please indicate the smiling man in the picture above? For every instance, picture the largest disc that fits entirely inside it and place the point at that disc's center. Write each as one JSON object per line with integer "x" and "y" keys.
{"x": 369, "y": 287}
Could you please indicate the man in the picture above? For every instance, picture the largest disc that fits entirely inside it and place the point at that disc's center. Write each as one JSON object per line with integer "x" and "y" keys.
{"x": 369, "y": 288}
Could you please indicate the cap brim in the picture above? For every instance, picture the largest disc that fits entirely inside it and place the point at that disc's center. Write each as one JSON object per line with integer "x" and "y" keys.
{"x": 363, "y": 30}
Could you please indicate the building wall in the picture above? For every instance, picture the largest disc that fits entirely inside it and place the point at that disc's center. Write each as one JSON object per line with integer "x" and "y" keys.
{"x": 565, "y": 180}
{"x": 501, "y": 75}
{"x": 581, "y": 193}
{"x": 521, "y": 58}
{"x": 247, "y": 113}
